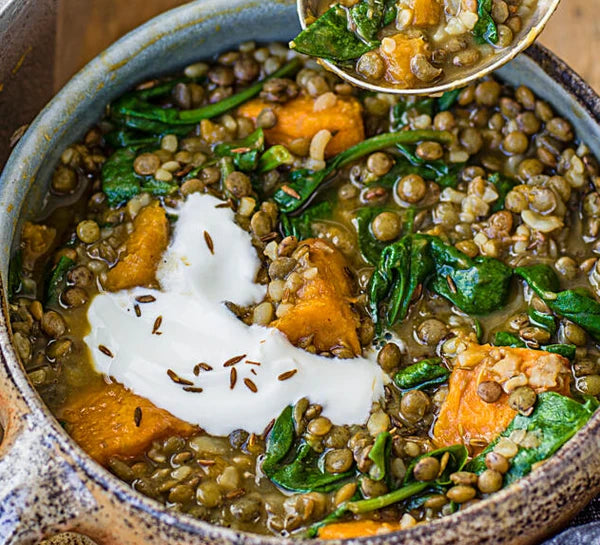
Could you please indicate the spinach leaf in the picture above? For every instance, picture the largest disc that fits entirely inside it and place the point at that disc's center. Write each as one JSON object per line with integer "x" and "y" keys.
{"x": 120, "y": 182}
{"x": 15, "y": 271}
{"x": 303, "y": 182}
{"x": 380, "y": 456}
{"x": 370, "y": 247}
{"x": 330, "y": 37}
{"x": 447, "y": 100}
{"x": 57, "y": 279}
{"x": 302, "y": 474}
{"x": 476, "y": 286}
{"x": 245, "y": 152}
{"x": 422, "y": 374}
{"x": 134, "y": 111}
{"x": 402, "y": 268}
{"x": 280, "y": 439}
{"x": 367, "y": 17}
{"x": 576, "y": 305}
{"x": 400, "y": 111}
{"x": 504, "y": 338}
{"x": 503, "y": 185}
{"x": 301, "y": 226}
{"x": 366, "y": 506}
{"x": 555, "y": 420}
{"x": 254, "y": 141}
{"x": 125, "y": 138}
{"x": 485, "y": 29}
{"x": 565, "y": 350}
{"x": 457, "y": 459}
{"x": 273, "y": 158}
{"x": 444, "y": 174}
{"x": 540, "y": 319}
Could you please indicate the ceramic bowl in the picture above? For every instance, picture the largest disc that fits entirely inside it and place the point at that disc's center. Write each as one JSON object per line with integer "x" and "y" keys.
{"x": 49, "y": 485}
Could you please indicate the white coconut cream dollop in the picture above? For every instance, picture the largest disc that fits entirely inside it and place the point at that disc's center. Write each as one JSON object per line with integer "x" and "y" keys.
{"x": 194, "y": 326}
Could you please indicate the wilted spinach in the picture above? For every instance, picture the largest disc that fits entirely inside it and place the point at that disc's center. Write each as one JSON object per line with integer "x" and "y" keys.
{"x": 555, "y": 420}
{"x": 245, "y": 152}
{"x": 273, "y": 158}
{"x": 425, "y": 373}
{"x": 485, "y": 29}
{"x": 370, "y": 16}
{"x": 476, "y": 286}
{"x": 120, "y": 182}
{"x": 15, "y": 271}
{"x": 57, "y": 279}
{"x": 300, "y": 471}
{"x": 330, "y": 37}
{"x": 370, "y": 247}
{"x": 444, "y": 174}
{"x": 301, "y": 226}
{"x": 503, "y": 185}
{"x": 576, "y": 305}
{"x": 380, "y": 454}
{"x": 504, "y": 338}
{"x": 303, "y": 183}
{"x": 135, "y": 111}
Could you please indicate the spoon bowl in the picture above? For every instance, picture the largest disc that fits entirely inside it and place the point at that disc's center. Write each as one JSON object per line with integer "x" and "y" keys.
{"x": 309, "y": 9}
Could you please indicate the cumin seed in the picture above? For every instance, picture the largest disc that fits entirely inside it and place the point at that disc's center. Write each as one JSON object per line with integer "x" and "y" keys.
{"x": 157, "y": 324}
{"x": 145, "y": 298}
{"x": 209, "y": 243}
{"x": 241, "y": 150}
{"x": 250, "y": 362}
{"x": 287, "y": 374}
{"x": 269, "y": 237}
{"x": 235, "y": 493}
{"x": 253, "y": 371}
{"x": 451, "y": 284}
{"x": 201, "y": 367}
{"x": 227, "y": 204}
{"x": 290, "y": 191}
{"x": 177, "y": 379}
{"x": 250, "y": 385}
{"x": 232, "y": 378}
{"x": 105, "y": 351}
{"x": 207, "y": 462}
{"x": 137, "y": 309}
{"x": 194, "y": 389}
{"x": 234, "y": 360}
{"x": 137, "y": 416}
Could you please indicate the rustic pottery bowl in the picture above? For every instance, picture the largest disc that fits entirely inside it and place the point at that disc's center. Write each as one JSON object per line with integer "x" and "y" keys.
{"x": 49, "y": 485}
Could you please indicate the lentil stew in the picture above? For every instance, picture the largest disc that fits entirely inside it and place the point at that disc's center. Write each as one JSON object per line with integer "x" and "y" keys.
{"x": 455, "y": 238}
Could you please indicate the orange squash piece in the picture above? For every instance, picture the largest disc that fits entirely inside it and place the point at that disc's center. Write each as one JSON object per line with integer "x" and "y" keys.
{"x": 36, "y": 241}
{"x": 425, "y": 12}
{"x": 466, "y": 418}
{"x": 396, "y": 52}
{"x": 357, "y": 528}
{"x": 144, "y": 248}
{"x": 297, "y": 118}
{"x": 102, "y": 421}
{"x": 323, "y": 307}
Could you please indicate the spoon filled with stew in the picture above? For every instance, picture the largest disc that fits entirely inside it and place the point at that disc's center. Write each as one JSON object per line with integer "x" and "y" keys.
{"x": 417, "y": 46}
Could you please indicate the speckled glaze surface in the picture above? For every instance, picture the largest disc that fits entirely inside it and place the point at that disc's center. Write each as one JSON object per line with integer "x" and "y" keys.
{"x": 48, "y": 484}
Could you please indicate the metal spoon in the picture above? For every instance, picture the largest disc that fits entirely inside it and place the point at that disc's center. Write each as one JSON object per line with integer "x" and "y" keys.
{"x": 309, "y": 9}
